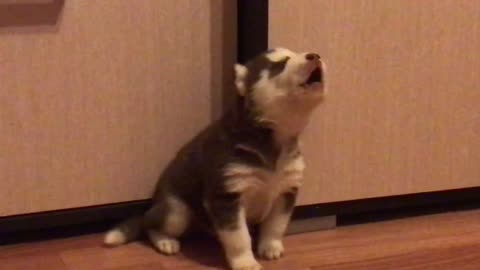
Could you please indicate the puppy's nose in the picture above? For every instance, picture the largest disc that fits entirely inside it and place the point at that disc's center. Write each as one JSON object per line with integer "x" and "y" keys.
{"x": 312, "y": 56}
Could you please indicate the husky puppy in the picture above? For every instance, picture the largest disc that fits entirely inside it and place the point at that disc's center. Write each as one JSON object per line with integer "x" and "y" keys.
{"x": 245, "y": 169}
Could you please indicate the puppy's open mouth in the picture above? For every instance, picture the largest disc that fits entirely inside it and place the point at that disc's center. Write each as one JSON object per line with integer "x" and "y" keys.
{"x": 315, "y": 77}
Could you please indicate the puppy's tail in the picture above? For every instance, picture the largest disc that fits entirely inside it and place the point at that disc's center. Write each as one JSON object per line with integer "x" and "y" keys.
{"x": 124, "y": 232}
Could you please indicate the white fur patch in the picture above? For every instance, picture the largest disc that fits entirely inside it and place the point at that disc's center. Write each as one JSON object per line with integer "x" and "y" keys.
{"x": 242, "y": 184}
{"x": 294, "y": 170}
{"x": 278, "y": 54}
{"x": 114, "y": 238}
{"x": 241, "y": 177}
{"x": 236, "y": 169}
{"x": 295, "y": 165}
{"x": 240, "y": 74}
{"x": 260, "y": 187}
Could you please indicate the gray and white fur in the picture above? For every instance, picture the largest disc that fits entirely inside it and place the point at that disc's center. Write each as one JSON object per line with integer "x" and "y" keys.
{"x": 244, "y": 169}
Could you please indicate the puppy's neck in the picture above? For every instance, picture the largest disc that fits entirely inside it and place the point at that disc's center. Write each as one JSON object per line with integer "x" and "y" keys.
{"x": 281, "y": 126}
{"x": 286, "y": 124}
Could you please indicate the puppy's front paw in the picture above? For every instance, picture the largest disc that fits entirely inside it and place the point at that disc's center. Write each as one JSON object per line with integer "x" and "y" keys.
{"x": 245, "y": 262}
{"x": 271, "y": 249}
{"x": 168, "y": 246}
{"x": 252, "y": 266}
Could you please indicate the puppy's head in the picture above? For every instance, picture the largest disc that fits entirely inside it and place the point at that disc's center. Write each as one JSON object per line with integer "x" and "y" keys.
{"x": 280, "y": 82}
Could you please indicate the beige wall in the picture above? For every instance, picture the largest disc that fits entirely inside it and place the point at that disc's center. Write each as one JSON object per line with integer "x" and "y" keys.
{"x": 403, "y": 114}
{"x": 96, "y": 96}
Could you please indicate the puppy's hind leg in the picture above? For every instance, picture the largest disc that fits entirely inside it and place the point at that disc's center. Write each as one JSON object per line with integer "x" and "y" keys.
{"x": 166, "y": 221}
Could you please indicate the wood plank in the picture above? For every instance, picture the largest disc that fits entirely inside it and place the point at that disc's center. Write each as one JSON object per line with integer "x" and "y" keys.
{"x": 448, "y": 241}
{"x": 49, "y": 246}
{"x": 97, "y": 257}
{"x": 38, "y": 262}
{"x": 464, "y": 258}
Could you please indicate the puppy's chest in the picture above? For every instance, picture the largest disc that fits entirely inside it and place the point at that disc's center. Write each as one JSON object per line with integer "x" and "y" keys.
{"x": 261, "y": 188}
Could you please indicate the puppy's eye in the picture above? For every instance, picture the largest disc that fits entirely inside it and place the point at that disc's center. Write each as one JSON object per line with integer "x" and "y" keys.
{"x": 277, "y": 67}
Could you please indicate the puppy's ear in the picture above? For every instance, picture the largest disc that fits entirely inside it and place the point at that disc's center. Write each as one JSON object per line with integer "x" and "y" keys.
{"x": 241, "y": 72}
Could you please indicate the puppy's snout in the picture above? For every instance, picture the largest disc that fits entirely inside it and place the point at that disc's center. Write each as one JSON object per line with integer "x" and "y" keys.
{"x": 312, "y": 57}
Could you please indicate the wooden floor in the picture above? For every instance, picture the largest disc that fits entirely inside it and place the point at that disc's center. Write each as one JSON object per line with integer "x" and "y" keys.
{"x": 446, "y": 242}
